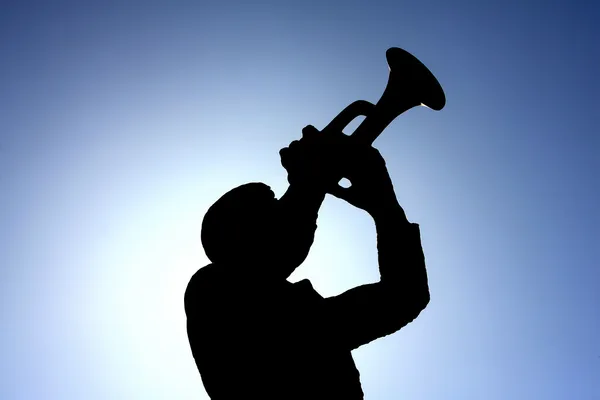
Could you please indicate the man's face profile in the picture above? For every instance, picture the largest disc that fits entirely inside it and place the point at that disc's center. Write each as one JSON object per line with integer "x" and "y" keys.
{"x": 247, "y": 228}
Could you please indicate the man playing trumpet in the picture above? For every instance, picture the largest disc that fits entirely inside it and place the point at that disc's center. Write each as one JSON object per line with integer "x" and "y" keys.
{"x": 255, "y": 335}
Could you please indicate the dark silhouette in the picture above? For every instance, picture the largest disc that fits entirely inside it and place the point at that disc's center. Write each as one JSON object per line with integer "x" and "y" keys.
{"x": 255, "y": 335}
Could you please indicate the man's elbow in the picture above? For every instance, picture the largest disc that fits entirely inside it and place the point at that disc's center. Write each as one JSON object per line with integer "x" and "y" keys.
{"x": 424, "y": 302}
{"x": 402, "y": 309}
{"x": 412, "y": 306}
{"x": 419, "y": 303}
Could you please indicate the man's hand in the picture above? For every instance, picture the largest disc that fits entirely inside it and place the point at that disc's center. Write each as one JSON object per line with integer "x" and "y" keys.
{"x": 372, "y": 188}
{"x": 314, "y": 162}
{"x": 319, "y": 160}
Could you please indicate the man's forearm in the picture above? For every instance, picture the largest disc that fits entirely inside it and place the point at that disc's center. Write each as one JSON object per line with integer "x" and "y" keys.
{"x": 401, "y": 259}
{"x": 297, "y": 221}
{"x": 302, "y": 201}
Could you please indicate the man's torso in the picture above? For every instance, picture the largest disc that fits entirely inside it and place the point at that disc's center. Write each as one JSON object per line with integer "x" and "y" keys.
{"x": 253, "y": 340}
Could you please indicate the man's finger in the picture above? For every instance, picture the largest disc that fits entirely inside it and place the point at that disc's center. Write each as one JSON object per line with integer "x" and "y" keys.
{"x": 309, "y": 131}
{"x": 338, "y": 191}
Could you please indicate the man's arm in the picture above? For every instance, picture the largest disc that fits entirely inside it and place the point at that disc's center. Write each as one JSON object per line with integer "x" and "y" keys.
{"x": 365, "y": 313}
{"x": 299, "y": 206}
{"x": 296, "y": 225}
{"x": 368, "y": 312}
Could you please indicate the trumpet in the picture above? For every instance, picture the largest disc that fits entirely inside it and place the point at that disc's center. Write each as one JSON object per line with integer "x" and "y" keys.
{"x": 410, "y": 84}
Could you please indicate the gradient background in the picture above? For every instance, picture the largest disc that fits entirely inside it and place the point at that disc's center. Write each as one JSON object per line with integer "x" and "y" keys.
{"x": 121, "y": 123}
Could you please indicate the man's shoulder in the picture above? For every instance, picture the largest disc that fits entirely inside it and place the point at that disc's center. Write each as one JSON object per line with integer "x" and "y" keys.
{"x": 208, "y": 272}
{"x": 204, "y": 281}
{"x": 204, "y": 275}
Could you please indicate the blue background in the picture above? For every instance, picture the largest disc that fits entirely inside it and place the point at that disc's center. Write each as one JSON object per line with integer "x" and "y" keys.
{"x": 121, "y": 123}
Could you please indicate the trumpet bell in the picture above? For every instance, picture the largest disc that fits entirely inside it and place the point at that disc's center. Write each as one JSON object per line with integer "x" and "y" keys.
{"x": 410, "y": 84}
{"x": 409, "y": 78}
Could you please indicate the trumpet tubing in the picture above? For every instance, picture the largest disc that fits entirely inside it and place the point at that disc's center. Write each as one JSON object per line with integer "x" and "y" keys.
{"x": 410, "y": 84}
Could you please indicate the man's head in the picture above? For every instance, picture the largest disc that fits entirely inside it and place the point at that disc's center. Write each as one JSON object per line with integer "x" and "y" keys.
{"x": 237, "y": 223}
{"x": 249, "y": 228}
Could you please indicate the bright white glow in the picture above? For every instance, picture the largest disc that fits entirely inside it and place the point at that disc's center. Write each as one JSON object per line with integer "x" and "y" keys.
{"x": 121, "y": 125}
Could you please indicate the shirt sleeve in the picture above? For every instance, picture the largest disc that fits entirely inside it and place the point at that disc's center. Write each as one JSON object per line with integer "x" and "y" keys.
{"x": 365, "y": 313}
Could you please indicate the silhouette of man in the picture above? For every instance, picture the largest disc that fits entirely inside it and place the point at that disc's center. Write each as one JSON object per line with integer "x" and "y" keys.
{"x": 255, "y": 335}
